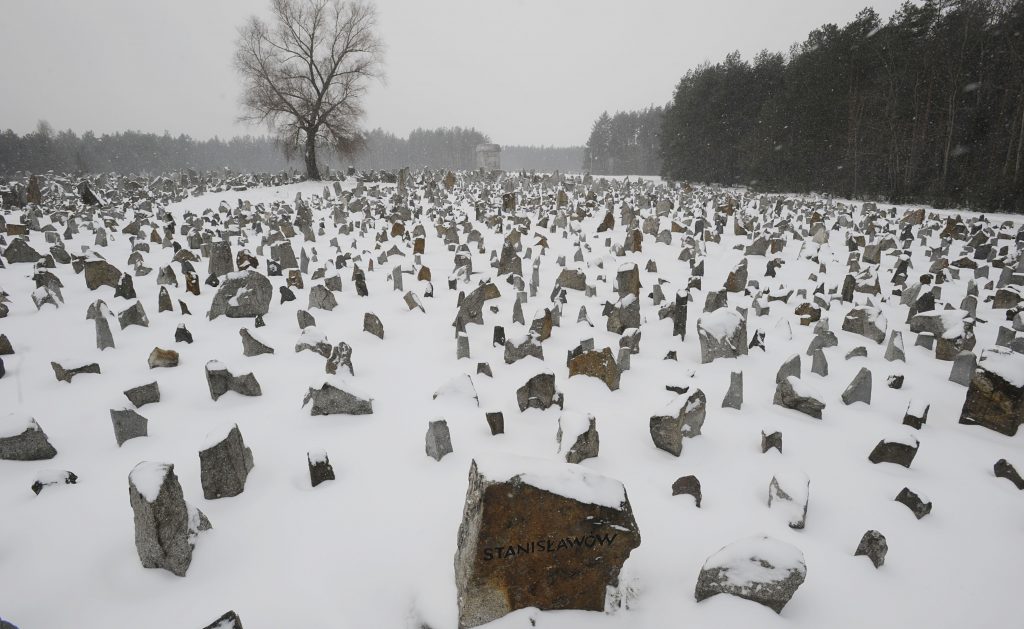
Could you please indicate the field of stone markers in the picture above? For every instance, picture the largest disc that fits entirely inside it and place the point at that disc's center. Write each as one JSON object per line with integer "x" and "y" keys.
{"x": 435, "y": 400}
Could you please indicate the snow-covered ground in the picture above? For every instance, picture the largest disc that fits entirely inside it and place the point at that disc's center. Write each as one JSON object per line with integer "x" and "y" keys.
{"x": 375, "y": 547}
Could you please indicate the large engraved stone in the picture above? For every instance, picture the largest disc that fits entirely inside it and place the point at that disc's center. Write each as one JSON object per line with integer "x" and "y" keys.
{"x": 539, "y": 534}
{"x": 995, "y": 397}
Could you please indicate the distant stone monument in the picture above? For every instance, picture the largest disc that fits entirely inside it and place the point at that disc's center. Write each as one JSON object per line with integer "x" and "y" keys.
{"x": 488, "y": 156}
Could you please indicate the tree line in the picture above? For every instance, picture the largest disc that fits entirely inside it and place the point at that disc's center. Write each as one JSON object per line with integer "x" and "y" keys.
{"x": 926, "y": 106}
{"x": 135, "y": 152}
{"x": 625, "y": 144}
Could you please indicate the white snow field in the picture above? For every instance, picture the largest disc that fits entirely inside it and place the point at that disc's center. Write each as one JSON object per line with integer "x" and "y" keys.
{"x": 375, "y": 547}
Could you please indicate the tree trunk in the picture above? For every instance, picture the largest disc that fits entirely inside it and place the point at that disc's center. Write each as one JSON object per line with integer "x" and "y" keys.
{"x": 312, "y": 171}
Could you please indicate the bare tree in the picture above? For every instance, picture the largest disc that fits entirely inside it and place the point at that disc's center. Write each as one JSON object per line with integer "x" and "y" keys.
{"x": 305, "y": 74}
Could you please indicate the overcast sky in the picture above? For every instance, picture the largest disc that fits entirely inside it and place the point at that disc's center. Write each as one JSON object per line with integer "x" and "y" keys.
{"x": 522, "y": 71}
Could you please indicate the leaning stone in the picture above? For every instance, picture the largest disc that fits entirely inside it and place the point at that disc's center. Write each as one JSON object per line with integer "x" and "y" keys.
{"x": 900, "y": 452}
{"x": 128, "y": 425}
{"x": 859, "y": 389}
{"x": 795, "y": 394}
{"x": 791, "y": 367}
{"x": 790, "y": 493}
{"x": 165, "y": 525}
{"x": 224, "y": 464}
{"x": 1005, "y": 469}
{"x": 163, "y": 358}
{"x": 874, "y": 547}
{"x": 539, "y": 392}
{"x": 438, "y": 440}
{"x": 577, "y": 436}
{"x": 65, "y": 375}
{"x": 917, "y": 505}
{"x": 759, "y": 569}
{"x": 569, "y": 521}
{"x": 330, "y": 400}
{"x": 320, "y": 469}
{"x": 51, "y": 478}
{"x": 372, "y": 324}
{"x": 688, "y": 485}
{"x": 995, "y": 397}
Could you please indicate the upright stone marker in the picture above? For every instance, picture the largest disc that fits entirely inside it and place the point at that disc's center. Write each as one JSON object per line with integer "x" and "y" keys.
{"x": 541, "y": 534}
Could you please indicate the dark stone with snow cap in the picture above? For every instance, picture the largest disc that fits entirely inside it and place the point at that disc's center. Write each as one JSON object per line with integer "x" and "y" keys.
{"x": 330, "y": 400}
{"x": 539, "y": 392}
{"x": 760, "y": 569}
{"x": 224, "y": 465}
{"x": 128, "y": 425}
{"x": 539, "y": 534}
{"x": 898, "y": 452}
{"x": 165, "y": 525}
{"x": 874, "y": 547}
{"x": 683, "y": 417}
{"x": 526, "y": 345}
{"x": 242, "y": 294}
{"x": 22, "y": 439}
{"x": 320, "y": 469}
